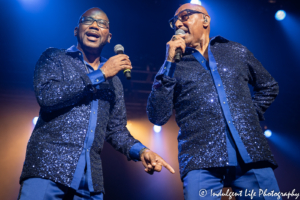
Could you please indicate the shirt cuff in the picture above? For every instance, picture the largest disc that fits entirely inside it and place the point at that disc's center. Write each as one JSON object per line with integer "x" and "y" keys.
{"x": 96, "y": 77}
{"x": 134, "y": 152}
{"x": 168, "y": 69}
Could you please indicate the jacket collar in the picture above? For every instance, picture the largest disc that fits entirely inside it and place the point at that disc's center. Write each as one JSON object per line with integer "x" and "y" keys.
{"x": 213, "y": 40}
{"x": 73, "y": 50}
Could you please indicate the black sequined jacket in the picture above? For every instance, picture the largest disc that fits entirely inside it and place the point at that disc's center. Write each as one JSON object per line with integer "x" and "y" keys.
{"x": 193, "y": 95}
{"x": 64, "y": 93}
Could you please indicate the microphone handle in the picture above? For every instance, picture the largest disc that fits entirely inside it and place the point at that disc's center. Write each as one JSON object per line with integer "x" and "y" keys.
{"x": 127, "y": 72}
{"x": 178, "y": 54}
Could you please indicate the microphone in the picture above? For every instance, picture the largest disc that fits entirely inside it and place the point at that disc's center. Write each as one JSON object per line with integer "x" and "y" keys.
{"x": 119, "y": 49}
{"x": 178, "y": 51}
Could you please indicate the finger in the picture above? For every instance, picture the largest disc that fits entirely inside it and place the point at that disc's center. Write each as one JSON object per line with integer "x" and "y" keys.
{"x": 158, "y": 167}
{"x": 182, "y": 46}
{"x": 153, "y": 159}
{"x": 121, "y": 57}
{"x": 125, "y": 62}
{"x": 178, "y": 45}
{"x": 147, "y": 159}
{"x": 126, "y": 67}
{"x": 167, "y": 166}
{"x": 178, "y": 37}
{"x": 144, "y": 162}
{"x": 181, "y": 36}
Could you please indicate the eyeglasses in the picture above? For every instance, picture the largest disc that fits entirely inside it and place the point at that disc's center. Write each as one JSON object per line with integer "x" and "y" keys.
{"x": 89, "y": 21}
{"x": 183, "y": 16}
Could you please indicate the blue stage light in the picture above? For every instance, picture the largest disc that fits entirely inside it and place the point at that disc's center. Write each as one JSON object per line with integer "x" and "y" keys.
{"x": 35, "y": 119}
{"x": 280, "y": 15}
{"x": 33, "y": 5}
{"x": 196, "y": 2}
{"x": 156, "y": 128}
{"x": 268, "y": 133}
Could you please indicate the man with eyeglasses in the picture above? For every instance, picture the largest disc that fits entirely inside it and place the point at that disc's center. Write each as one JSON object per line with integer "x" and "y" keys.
{"x": 82, "y": 105}
{"x": 221, "y": 143}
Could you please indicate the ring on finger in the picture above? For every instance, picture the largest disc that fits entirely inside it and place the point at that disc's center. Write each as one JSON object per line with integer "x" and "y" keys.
{"x": 174, "y": 38}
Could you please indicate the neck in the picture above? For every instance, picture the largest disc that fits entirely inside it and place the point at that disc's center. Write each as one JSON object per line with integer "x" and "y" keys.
{"x": 91, "y": 57}
{"x": 202, "y": 45}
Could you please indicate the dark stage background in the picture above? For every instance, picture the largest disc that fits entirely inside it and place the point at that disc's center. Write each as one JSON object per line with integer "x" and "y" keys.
{"x": 28, "y": 27}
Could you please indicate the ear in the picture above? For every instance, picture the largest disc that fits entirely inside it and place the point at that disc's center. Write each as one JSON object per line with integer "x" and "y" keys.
{"x": 109, "y": 37}
{"x": 206, "y": 21}
{"x": 75, "y": 31}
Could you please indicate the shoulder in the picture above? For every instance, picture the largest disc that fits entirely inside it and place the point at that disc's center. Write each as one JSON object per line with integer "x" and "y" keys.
{"x": 237, "y": 46}
{"x": 52, "y": 52}
{"x": 225, "y": 43}
{"x": 50, "y": 57}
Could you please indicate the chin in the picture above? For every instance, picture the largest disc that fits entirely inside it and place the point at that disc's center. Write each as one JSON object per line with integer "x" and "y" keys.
{"x": 92, "y": 45}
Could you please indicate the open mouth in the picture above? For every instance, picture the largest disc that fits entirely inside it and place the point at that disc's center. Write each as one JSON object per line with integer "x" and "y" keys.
{"x": 93, "y": 34}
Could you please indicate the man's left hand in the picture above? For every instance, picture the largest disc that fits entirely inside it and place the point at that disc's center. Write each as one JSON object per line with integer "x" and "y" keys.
{"x": 153, "y": 162}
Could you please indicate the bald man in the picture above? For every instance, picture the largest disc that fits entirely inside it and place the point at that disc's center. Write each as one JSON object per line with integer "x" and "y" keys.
{"x": 82, "y": 105}
{"x": 221, "y": 143}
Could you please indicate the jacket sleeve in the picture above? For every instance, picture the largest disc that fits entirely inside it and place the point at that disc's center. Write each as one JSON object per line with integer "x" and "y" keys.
{"x": 265, "y": 87}
{"x": 116, "y": 132}
{"x": 160, "y": 101}
{"x": 51, "y": 88}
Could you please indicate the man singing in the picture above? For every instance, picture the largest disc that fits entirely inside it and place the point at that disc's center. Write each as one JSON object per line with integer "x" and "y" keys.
{"x": 221, "y": 143}
{"x": 82, "y": 105}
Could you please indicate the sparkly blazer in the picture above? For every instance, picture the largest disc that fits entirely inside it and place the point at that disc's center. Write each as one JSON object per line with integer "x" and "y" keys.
{"x": 64, "y": 93}
{"x": 192, "y": 91}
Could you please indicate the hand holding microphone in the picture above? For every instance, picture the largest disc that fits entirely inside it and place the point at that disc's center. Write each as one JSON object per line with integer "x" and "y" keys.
{"x": 176, "y": 46}
{"x": 119, "y": 49}
{"x": 117, "y": 63}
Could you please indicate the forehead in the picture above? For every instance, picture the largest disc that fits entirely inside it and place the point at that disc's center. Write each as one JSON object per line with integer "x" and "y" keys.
{"x": 96, "y": 14}
{"x": 191, "y": 7}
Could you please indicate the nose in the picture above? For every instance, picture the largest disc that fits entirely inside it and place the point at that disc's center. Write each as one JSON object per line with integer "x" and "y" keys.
{"x": 178, "y": 24}
{"x": 94, "y": 25}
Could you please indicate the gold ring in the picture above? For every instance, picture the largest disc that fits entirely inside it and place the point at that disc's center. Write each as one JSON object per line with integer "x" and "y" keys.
{"x": 174, "y": 38}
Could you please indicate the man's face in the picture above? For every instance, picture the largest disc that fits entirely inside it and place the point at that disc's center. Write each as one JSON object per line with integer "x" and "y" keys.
{"x": 92, "y": 36}
{"x": 193, "y": 26}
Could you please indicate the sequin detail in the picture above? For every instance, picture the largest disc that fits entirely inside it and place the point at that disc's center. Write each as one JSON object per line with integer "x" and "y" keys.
{"x": 64, "y": 92}
{"x": 193, "y": 95}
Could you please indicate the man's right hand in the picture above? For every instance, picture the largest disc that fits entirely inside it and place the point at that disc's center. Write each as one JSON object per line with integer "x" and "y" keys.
{"x": 177, "y": 41}
{"x": 115, "y": 64}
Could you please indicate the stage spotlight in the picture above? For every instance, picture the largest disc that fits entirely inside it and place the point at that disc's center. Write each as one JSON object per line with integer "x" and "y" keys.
{"x": 35, "y": 120}
{"x": 156, "y": 128}
{"x": 196, "y": 2}
{"x": 268, "y": 133}
{"x": 280, "y": 15}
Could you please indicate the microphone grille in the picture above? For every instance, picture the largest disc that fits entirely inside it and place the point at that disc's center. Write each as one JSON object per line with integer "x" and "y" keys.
{"x": 179, "y": 32}
{"x": 118, "y": 47}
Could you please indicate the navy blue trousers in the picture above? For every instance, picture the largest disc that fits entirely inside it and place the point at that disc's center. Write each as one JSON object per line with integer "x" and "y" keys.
{"x": 44, "y": 189}
{"x": 254, "y": 184}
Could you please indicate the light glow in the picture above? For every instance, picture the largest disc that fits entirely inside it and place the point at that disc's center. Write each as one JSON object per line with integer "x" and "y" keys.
{"x": 196, "y": 2}
{"x": 280, "y": 15}
{"x": 156, "y": 128}
{"x": 268, "y": 133}
{"x": 35, "y": 119}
